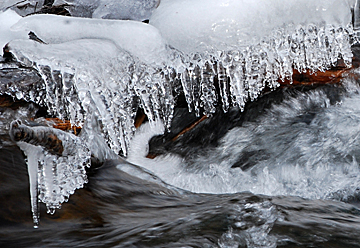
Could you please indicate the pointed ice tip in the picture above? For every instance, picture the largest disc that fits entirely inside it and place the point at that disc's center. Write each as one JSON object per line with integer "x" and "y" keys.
{"x": 36, "y": 222}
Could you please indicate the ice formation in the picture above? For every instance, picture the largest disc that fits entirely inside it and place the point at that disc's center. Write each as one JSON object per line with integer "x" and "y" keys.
{"x": 53, "y": 177}
{"x": 141, "y": 40}
{"x": 252, "y": 44}
{"x": 111, "y": 9}
{"x": 214, "y": 52}
{"x": 108, "y": 88}
{"x": 203, "y": 25}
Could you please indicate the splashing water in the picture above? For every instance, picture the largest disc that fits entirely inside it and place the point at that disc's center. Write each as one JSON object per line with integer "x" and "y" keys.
{"x": 306, "y": 146}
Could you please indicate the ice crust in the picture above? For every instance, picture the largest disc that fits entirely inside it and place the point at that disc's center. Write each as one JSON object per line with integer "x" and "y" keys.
{"x": 141, "y": 40}
{"x": 249, "y": 45}
{"x": 111, "y": 9}
{"x": 243, "y": 67}
{"x": 96, "y": 73}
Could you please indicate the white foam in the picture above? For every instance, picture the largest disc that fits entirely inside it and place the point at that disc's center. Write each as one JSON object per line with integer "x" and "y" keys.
{"x": 316, "y": 160}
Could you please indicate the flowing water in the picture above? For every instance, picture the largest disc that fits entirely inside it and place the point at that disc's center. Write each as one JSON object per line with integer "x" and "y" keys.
{"x": 269, "y": 167}
{"x": 301, "y": 191}
{"x": 305, "y": 146}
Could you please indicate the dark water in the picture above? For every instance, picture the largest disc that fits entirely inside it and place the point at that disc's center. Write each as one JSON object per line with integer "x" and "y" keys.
{"x": 119, "y": 210}
{"x": 303, "y": 201}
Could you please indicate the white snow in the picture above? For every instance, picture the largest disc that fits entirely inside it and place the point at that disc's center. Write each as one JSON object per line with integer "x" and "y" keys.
{"x": 140, "y": 39}
{"x": 202, "y": 25}
{"x": 7, "y": 19}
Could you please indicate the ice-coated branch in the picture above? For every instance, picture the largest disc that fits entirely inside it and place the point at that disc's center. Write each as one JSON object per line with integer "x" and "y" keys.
{"x": 37, "y": 136}
{"x": 56, "y": 163}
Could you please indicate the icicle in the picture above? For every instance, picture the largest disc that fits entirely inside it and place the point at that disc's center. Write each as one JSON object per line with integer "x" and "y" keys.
{"x": 356, "y": 16}
{"x": 243, "y": 74}
{"x": 223, "y": 85}
{"x": 208, "y": 95}
{"x": 33, "y": 153}
{"x": 116, "y": 80}
{"x": 56, "y": 164}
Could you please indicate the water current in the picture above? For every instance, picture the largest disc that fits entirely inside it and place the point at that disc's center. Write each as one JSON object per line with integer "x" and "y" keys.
{"x": 221, "y": 196}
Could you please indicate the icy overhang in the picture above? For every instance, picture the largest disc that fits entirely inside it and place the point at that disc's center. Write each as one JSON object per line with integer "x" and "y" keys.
{"x": 203, "y": 25}
{"x": 141, "y": 40}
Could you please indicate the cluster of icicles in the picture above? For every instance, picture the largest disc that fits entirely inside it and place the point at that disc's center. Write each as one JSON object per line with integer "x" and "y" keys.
{"x": 243, "y": 74}
{"x": 53, "y": 178}
{"x": 101, "y": 88}
{"x": 111, "y": 84}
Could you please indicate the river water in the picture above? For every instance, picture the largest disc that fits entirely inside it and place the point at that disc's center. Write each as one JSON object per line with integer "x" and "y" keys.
{"x": 301, "y": 190}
